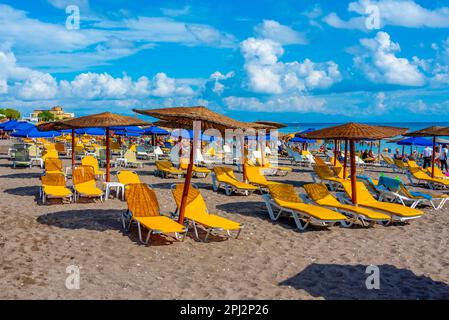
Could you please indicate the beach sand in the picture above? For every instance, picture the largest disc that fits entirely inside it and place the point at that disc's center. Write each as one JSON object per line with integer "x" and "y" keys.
{"x": 268, "y": 261}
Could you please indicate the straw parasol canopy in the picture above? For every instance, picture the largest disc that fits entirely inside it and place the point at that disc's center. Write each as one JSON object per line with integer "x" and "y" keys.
{"x": 101, "y": 120}
{"x": 432, "y": 131}
{"x": 352, "y": 132}
{"x": 183, "y": 118}
{"x": 355, "y": 131}
{"x": 271, "y": 124}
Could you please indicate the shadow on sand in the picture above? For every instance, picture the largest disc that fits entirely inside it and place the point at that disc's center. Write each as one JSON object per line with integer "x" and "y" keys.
{"x": 98, "y": 220}
{"x": 335, "y": 282}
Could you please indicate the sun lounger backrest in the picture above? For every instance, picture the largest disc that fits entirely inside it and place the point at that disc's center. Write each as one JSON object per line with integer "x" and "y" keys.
{"x": 49, "y": 154}
{"x": 53, "y": 179}
{"x": 254, "y": 175}
{"x": 195, "y": 201}
{"x": 225, "y": 174}
{"x": 60, "y": 147}
{"x": 128, "y": 177}
{"x": 130, "y": 155}
{"x": 141, "y": 200}
{"x": 319, "y": 192}
{"x": 363, "y": 195}
{"x": 83, "y": 174}
{"x": 163, "y": 165}
{"x": 34, "y": 151}
{"x": 53, "y": 164}
{"x": 90, "y": 161}
{"x": 21, "y": 153}
{"x": 283, "y": 192}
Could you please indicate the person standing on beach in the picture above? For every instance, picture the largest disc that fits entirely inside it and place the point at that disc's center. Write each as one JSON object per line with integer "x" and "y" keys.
{"x": 443, "y": 158}
{"x": 427, "y": 156}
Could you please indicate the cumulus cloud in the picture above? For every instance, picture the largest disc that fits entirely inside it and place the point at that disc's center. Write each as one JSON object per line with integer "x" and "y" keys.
{"x": 270, "y": 29}
{"x": 217, "y": 77}
{"x": 266, "y": 74}
{"x": 99, "y": 41}
{"x": 403, "y": 13}
{"x": 380, "y": 64}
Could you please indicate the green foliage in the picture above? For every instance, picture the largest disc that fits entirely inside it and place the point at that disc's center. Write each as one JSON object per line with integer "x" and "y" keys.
{"x": 46, "y": 116}
{"x": 10, "y": 113}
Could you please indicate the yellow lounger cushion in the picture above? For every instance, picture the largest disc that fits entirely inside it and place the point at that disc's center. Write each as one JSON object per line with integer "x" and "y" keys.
{"x": 196, "y": 210}
{"x": 57, "y": 191}
{"x": 317, "y": 212}
{"x": 364, "y": 198}
{"x": 322, "y": 196}
{"x": 88, "y": 188}
{"x": 160, "y": 223}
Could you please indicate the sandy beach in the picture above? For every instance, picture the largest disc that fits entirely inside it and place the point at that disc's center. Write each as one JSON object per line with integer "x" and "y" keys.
{"x": 269, "y": 260}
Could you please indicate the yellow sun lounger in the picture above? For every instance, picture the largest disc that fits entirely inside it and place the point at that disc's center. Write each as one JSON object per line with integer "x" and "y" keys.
{"x": 437, "y": 173}
{"x": 325, "y": 174}
{"x": 338, "y": 169}
{"x": 401, "y": 166}
{"x": 164, "y": 168}
{"x": 54, "y": 187}
{"x": 255, "y": 177}
{"x": 128, "y": 177}
{"x": 280, "y": 171}
{"x": 321, "y": 196}
{"x": 93, "y": 162}
{"x": 397, "y": 212}
{"x": 84, "y": 183}
{"x": 53, "y": 165}
{"x": 197, "y": 172}
{"x": 224, "y": 177}
{"x": 143, "y": 208}
{"x": 283, "y": 197}
{"x": 131, "y": 159}
{"x": 196, "y": 212}
{"x": 422, "y": 177}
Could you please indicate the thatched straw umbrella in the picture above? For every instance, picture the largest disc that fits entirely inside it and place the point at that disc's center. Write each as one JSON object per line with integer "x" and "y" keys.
{"x": 101, "y": 120}
{"x": 433, "y": 131}
{"x": 352, "y": 132}
{"x": 183, "y": 118}
{"x": 271, "y": 124}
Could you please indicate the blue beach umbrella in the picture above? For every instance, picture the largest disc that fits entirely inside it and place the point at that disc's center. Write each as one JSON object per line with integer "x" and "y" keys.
{"x": 12, "y": 126}
{"x": 126, "y": 133}
{"x": 415, "y": 141}
{"x": 7, "y": 123}
{"x": 133, "y": 129}
{"x": 91, "y": 131}
{"x": 33, "y": 132}
{"x": 156, "y": 131}
{"x": 23, "y": 126}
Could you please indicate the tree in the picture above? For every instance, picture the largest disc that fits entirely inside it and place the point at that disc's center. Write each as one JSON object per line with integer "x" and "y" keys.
{"x": 46, "y": 116}
{"x": 10, "y": 113}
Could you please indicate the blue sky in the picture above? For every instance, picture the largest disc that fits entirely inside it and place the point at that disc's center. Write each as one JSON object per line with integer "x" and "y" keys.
{"x": 290, "y": 61}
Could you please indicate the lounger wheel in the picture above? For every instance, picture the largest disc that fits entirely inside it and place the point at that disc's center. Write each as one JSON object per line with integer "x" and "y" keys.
{"x": 385, "y": 223}
{"x": 228, "y": 191}
{"x": 346, "y": 224}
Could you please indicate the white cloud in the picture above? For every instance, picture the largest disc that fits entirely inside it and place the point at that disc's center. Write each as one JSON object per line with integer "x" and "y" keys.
{"x": 62, "y": 4}
{"x": 270, "y": 29}
{"x": 380, "y": 64}
{"x": 164, "y": 86}
{"x": 402, "y": 13}
{"x": 3, "y": 86}
{"x": 39, "y": 86}
{"x": 266, "y": 74}
{"x": 218, "y": 87}
{"x": 98, "y": 42}
{"x": 176, "y": 12}
{"x": 292, "y": 103}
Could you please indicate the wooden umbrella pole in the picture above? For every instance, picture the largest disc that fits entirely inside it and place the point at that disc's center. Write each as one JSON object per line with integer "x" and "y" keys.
{"x": 73, "y": 150}
{"x": 108, "y": 157}
{"x": 353, "y": 172}
{"x": 244, "y": 159}
{"x": 433, "y": 156}
{"x": 378, "y": 152}
{"x": 345, "y": 160}
{"x": 403, "y": 151}
{"x": 335, "y": 152}
{"x": 185, "y": 192}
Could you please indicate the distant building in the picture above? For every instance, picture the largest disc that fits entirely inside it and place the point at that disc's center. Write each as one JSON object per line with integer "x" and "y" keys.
{"x": 57, "y": 111}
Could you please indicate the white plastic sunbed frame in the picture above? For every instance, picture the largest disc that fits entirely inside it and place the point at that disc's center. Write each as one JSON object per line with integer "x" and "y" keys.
{"x": 302, "y": 220}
